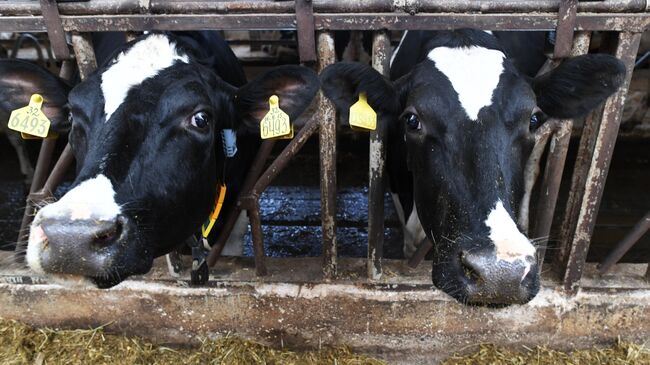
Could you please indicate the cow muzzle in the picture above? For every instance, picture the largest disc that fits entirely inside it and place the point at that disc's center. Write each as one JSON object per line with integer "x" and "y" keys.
{"x": 490, "y": 280}
{"x": 83, "y": 247}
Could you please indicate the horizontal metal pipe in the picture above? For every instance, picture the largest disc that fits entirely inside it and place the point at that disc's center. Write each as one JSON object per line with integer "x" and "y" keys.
{"x": 366, "y": 21}
{"x": 94, "y": 7}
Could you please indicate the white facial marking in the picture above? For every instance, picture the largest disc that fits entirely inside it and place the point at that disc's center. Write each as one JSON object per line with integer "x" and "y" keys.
{"x": 92, "y": 199}
{"x": 143, "y": 60}
{"x": 392, "y": 57}
{"x": 473, "y": 72}
{"x": 510, "y": 244}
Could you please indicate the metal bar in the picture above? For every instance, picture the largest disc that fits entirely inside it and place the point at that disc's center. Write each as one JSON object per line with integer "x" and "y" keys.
{"x": 253, "y": 173}
{"x": 84, "y": 53}
{"x": 381, "y": 62}
{"x": 550, "y": 185}
{"x": 327, "y": 147}
{"x": 258, "y": 243}
{"x": 323, "y": 6}
{"x": 628, "y": 44}
{"x": 283, "y": 159}
{"x": 622, "y": 247}
{"x": 328, "y": 21}
{"x": 55, "y": 31}
{"x": 565, "y": 25}
{"x": 419, "y": 255}
{"x": 305, "y": 30}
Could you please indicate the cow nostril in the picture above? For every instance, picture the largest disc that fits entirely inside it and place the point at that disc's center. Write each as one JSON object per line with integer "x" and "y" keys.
{"x": 108, "y": 236}
{"x": 469, "y": 269}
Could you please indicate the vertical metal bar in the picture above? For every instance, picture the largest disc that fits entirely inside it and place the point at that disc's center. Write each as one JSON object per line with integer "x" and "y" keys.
{"x": 258, "y": 243}
{"x": 555, "y": 162}
{"x": 622, "y": 247}
{"x": 305, "y": 28}
{"x": 84, "y": 53}
{"x": 55, "y": 31}
{"x": 40, "y": 176}
{"x": 327, "y": 146}
{"x": 607, "y": 131}
{"x": 376, "y": 182}
{"x": 565, "y": 25}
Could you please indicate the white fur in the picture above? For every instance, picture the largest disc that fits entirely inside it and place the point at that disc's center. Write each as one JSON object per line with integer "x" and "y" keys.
{"x": 143, "y": 60}
{"x": 92, "y": 199}
{"x": 473, "y": 72}
{"x": 235, "y": 243}
{"x": 509, "y": 243}
{"x": 412, "y": 228}
{"x": 392, "y": 57}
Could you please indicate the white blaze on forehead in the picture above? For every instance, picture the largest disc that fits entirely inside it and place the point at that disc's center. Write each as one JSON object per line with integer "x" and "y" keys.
{"x": 473, "y": 72}
{"x": 510, "y": 244}
{"x": 144, "y": 59}
{"x": 92, "y": 199}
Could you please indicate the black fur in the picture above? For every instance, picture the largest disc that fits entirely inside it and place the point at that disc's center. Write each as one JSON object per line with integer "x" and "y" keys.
{"x": 456, "y": 169}
{"x": 164, "y": 170}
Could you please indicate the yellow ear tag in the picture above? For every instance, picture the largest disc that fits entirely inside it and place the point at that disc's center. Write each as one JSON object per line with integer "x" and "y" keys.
{"x": 275, "y": 123}
{"x": 362, "y": 116}
{"x": 30, "y": 119}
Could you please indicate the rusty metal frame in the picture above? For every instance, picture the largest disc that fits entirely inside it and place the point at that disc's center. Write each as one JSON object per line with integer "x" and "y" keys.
{"x": 629, "y": 17}
{"x": 590, "y": 173}
{"x": 622, "y": 247}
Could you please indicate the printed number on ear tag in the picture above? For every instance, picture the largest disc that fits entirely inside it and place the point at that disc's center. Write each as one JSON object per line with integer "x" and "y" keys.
{"x": 30, "y": 120}
{"x": 362, "y": 116}
{"x": 276, "y": 123}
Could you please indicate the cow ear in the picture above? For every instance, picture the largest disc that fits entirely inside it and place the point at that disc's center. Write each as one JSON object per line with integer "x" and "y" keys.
{"x": 578, "y": 85}
{"x": 20, "y": 79}
{"x": 343, "y": 82}
{"x": 295, "y": 86}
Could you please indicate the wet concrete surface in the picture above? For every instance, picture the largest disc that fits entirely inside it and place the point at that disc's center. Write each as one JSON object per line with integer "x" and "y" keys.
{"x": 291, "y": 208}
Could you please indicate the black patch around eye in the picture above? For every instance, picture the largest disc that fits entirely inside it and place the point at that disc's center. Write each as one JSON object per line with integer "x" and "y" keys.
{"x": 412, "y": 121}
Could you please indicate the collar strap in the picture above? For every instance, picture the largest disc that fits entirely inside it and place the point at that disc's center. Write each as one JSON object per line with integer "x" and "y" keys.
{"x": 218, "y": 204}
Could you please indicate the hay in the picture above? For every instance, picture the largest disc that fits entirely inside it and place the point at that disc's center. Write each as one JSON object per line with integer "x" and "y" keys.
{"x": 620, "y": 354}
{"x": 21, "y": 344}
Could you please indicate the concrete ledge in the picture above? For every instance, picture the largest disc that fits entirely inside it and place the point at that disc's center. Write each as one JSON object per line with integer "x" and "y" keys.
{"x": 401, "y": 319}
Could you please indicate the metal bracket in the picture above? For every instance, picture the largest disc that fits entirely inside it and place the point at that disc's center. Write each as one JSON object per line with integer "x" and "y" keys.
{"x": 55, "y": 31}
{"x": 566, "y": 23}
{"x": 305, "y": 29}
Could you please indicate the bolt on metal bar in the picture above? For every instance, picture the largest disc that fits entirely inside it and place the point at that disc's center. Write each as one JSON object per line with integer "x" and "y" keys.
{"x": 381, "y": 62}
{"x": 606, "y": 133}
{"x": 327, "y": 147}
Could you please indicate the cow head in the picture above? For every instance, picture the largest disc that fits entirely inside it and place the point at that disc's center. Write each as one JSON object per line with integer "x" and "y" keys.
{"x": 462, "y": 123}
{"x": 145, "y": 132}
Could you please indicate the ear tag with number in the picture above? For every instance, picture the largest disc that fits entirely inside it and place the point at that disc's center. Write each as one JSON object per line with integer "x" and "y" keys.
{"x": 229, "y": 141}
{"x": 275, "y": 123}
{"x": 30, "y": 119}
{"x": 362, "y": 116}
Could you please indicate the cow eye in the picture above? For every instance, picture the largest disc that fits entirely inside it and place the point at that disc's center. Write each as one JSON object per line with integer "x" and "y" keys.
{"x": 200, "y": 120}
{"x": 536, "y": 120}
{"x": 412, "y": 121}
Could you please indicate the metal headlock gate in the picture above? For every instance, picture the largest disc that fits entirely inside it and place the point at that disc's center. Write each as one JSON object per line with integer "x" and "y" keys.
{"x": 315, "y": 20}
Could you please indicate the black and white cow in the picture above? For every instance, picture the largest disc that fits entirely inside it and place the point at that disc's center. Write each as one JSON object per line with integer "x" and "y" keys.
{"x": 145, "y": 132}
{"x": 461, "y": 122}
